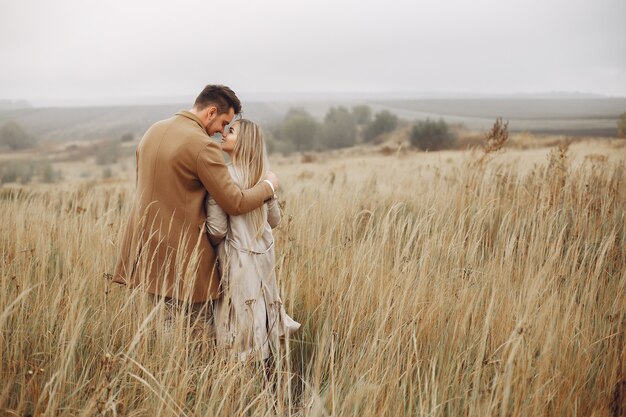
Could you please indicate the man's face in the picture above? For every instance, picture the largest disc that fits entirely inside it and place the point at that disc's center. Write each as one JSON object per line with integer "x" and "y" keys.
{"x": 218, "y": 121}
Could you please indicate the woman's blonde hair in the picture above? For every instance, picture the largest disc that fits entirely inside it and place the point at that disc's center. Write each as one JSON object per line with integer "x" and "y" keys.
{"x": 251, "y": 164}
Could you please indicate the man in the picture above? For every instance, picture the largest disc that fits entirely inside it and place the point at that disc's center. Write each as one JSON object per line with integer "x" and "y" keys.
{"x": 164, "y": 246}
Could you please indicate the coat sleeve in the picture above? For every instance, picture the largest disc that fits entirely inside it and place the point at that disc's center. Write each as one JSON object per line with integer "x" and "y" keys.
{"x": 273, "y": 213}
{"x": 214, "y": 175}
{"x": 216, "y": 221}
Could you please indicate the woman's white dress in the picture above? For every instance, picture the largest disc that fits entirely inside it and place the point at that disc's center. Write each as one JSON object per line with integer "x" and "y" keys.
{"x": 249, "y": 317}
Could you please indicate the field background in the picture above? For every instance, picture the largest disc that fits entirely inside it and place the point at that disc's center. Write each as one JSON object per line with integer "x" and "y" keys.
{"x": 557, "y": 116}
{"x": 454, "y": 283}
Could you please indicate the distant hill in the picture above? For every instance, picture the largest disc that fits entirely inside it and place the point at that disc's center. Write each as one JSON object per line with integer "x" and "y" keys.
{"x": 88, "y": 123}
{"x": 572, "y": 115}
{"x": 305, "y": 97}
{"x": 566, "y": 116}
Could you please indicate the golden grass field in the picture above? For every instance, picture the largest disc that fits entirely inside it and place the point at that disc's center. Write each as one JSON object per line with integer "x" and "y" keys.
{"x": 427, "y": 284}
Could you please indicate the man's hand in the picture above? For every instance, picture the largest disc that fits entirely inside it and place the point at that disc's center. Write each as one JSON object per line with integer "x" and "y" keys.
{"x": 271, "y": 177}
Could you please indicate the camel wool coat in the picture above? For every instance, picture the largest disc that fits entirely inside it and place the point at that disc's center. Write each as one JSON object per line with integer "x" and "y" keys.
{"x": 165, "y": 246}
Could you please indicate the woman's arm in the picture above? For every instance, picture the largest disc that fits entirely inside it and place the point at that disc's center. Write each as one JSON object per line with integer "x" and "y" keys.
{"x": 216, "y": 221}
{"x": 217, "y": 181}
{"x": 273, "y": 213}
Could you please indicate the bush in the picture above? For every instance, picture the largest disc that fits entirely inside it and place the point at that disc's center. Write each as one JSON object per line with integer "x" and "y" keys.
{"x": 338, "y": 130}
{"x": 383, "y": 122}
{"x": 362, "y": 114}
{"x": 432, "y": 135}
{"x": 299, "y": 128}
{"x": 14, "y": 137}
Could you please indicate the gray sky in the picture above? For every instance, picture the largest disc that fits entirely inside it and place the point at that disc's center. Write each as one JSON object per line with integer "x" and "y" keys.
{"x": 109, "y": 49}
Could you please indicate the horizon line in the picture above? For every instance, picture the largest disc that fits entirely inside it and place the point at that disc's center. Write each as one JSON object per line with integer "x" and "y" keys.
{"x": 299, "y": 95}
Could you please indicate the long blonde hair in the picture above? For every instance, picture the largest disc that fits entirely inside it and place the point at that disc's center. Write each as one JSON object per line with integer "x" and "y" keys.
{"x": 251, "y": 164}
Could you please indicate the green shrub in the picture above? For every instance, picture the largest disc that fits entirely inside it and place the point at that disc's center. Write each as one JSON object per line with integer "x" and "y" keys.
{"x": 383, "y": 122}
{"x": 432, "y": 135}
{"x": 362, "y": 114}
{"x": 299, "y": 129}
{"x": 338, "y": 129}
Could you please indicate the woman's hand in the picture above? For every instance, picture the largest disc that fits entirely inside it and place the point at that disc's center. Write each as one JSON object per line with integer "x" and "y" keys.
{"x": 271, "y": 177}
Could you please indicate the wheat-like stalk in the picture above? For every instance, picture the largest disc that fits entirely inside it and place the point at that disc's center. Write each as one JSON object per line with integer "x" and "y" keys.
{"x": 425, "y": 286}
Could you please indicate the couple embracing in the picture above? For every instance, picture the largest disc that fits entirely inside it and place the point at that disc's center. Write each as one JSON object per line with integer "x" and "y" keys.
{"x": 199, "y": 237}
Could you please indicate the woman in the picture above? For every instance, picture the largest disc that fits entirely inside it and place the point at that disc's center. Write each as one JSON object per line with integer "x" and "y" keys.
{"x": 249, "y": 317}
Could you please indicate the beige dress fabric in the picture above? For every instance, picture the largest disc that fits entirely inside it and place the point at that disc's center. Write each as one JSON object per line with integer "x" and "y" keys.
{"x": 249, "y": 317}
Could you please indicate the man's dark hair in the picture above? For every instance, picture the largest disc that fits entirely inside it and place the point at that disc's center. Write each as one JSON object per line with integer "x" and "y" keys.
{"x": 219, "y": 95}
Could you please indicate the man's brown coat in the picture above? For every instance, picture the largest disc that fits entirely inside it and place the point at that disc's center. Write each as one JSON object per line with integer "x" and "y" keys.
{"x": 164, "y": 245}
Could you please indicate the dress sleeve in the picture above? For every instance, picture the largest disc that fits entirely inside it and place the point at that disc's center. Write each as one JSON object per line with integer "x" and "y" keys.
{"x": 216, "y": 220}
{"x": 273, "y": 213}
{"x": 215, "y": 178}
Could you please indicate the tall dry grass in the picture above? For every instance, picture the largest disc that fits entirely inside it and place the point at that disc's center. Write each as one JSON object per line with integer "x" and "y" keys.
{"x": 466, "y": 288}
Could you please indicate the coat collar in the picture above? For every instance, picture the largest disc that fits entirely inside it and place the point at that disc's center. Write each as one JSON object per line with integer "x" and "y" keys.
{"x": 191, "y": 116}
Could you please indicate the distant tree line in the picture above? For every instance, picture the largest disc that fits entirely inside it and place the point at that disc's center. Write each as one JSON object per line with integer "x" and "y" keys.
{"x": 299, "y": 131}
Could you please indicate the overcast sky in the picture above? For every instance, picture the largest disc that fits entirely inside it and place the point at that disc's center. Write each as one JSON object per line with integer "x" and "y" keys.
{"x": 109, "y": 49}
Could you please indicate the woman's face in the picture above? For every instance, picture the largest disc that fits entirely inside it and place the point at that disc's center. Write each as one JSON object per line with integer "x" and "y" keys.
{"x": 229, "y": 139}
